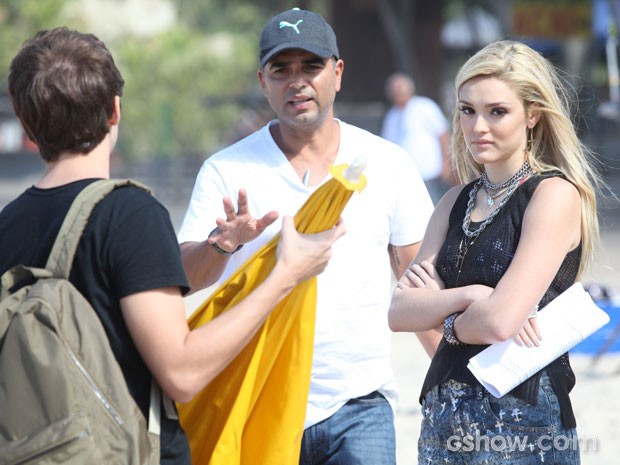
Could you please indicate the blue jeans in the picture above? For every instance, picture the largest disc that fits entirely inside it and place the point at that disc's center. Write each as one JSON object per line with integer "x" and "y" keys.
{"x": 360, "y": 433}
{"x": 465, "y": 424}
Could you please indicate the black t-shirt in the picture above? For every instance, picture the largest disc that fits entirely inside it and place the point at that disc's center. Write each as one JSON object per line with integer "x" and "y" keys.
{"x": 128, "y": 246}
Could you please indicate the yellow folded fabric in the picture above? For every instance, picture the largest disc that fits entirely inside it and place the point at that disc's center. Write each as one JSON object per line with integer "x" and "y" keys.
{"x": 253, "y": 412}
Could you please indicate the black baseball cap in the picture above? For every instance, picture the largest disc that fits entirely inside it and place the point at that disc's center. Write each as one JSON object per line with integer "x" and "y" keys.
{"x": 300, "y": 29}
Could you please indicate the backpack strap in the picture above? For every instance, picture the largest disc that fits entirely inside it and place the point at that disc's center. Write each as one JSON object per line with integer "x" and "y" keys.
{"x": 61, "y": 257}
{"x": 60, "y": 261}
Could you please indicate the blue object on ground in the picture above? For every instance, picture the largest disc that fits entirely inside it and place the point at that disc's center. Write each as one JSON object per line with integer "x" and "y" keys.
{"x": 597, "y": 341}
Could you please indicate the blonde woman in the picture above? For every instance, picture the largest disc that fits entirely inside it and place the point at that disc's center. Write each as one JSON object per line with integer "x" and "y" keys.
{"x": 518, "y": 232}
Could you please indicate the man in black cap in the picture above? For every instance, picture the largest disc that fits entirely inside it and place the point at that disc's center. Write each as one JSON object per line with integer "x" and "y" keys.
{"x": 349, "y": 415}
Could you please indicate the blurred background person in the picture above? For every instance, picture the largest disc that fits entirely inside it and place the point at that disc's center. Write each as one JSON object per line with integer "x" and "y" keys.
{"x": 417, "y": 124}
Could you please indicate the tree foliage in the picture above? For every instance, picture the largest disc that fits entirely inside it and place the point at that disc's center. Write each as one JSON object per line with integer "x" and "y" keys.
{"x": 19, "y": 20}
{"x": 185, "y": 87}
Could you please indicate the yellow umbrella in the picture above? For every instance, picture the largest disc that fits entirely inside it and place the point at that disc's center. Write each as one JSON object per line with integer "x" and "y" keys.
{"x": 253, "y": 412}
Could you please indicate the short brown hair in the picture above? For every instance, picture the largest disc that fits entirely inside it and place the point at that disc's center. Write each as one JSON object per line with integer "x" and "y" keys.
{"x": 62, "y": 84}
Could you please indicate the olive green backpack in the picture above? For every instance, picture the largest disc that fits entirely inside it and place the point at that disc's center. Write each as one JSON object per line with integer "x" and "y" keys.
{"x": 63, "y": 397}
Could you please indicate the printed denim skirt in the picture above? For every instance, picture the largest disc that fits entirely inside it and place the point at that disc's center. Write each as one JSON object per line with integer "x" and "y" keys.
{"x": 465, "y": 424}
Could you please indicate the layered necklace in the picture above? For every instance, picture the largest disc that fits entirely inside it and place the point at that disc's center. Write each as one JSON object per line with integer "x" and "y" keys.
{"x": 490, "y": 188}
{"x": 505, "y": 188}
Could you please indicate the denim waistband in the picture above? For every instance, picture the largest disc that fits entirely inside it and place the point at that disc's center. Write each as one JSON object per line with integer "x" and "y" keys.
{"x": 451, "y": 389}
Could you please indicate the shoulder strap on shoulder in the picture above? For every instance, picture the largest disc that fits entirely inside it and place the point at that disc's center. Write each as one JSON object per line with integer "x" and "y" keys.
{"x": 61, "y": 256}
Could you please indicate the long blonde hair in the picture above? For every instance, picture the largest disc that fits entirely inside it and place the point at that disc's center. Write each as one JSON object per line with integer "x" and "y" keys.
{"x": 555, "y": 144}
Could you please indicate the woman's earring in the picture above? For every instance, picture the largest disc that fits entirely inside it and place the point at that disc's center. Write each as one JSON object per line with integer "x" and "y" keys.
{"x": 530, "y": 139}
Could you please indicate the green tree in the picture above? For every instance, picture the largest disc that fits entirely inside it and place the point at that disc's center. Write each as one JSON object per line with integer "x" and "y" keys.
{"x": 185, "y": 87}
{"x": 19, "y": 20}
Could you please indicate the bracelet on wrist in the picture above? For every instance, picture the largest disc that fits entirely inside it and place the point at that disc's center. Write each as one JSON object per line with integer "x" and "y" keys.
{"x": 221, "y": 251}
{"x": 448, "y": 330}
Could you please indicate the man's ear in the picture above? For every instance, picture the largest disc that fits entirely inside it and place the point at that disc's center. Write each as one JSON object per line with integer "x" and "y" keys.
{"x": 116, "y": 112}
{"x": 261, "y": 79}
{"x": 339, "y": 69}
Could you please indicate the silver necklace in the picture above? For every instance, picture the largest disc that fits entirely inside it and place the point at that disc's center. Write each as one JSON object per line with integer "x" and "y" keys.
{"x": 489, "y": 186}
{"x": 469, "y": 237}
{"x": 523, "y": 172}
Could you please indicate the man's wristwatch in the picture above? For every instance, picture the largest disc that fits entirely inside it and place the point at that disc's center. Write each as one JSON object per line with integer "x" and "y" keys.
{"x": 221, "y": 251}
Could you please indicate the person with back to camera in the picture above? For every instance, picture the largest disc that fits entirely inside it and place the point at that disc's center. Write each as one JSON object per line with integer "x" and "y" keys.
{"x": 349, "y": 417}
{"x": 417, "y": 124}
{"x": 66, "y": 91}
{"x": 515, "y": 236}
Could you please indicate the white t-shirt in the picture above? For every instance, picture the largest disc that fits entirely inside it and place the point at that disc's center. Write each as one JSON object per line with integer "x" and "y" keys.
{"x": 352, "y": 338}
{"x": 417, "y": 128}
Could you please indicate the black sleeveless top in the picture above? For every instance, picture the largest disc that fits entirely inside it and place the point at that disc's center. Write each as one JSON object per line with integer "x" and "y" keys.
{"x": 485, "y": 263}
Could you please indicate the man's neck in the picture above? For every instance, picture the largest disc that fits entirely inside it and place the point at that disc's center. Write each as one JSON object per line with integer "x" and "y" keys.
{"x": 71, "y": 167}
{"x": 311, "y": 153}
{"x": 310, "y": 142}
